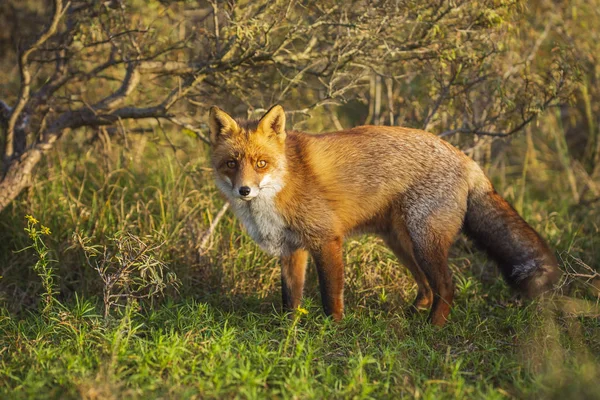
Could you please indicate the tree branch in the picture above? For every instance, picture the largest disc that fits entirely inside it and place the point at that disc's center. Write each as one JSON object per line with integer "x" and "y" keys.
{"x": 130, "y": 81}
{"x": 96, "y": 116}
{"x": 199, "y": 133}
{"x": 526, "y": 120}
{"x": 26, "y": 77}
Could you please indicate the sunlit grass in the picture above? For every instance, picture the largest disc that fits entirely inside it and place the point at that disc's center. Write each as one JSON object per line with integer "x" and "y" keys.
{"x": 222, "y": 334}
{"x": 190, "y": 347}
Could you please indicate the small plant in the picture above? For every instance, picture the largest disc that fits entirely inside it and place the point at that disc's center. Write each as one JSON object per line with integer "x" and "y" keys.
{"x": 130, "y": 269}
{"x": 43, "y": 265}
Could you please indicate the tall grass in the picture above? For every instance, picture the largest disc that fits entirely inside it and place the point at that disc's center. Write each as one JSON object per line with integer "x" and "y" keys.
{"x": 221, "y": 334}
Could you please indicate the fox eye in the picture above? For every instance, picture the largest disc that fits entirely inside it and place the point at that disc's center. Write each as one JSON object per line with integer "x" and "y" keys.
{"x": 231, "y": 164}
{"x": 261, "y": 164}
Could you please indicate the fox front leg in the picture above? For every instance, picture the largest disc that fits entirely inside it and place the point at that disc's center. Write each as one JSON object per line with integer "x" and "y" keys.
{"x": 293, "y": 270}
{"x": 330, "y": 268}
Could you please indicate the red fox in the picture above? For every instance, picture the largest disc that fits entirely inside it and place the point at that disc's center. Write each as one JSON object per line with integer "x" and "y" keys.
{"x": 299, "y": 194}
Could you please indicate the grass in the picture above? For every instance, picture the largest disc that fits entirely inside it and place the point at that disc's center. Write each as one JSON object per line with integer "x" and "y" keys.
{"x": 220, "y": 334}
{"x": 190, "y": 348}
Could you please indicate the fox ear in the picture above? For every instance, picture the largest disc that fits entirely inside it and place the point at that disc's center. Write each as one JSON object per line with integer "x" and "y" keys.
{"x": 273, "y": 122}
{"x": 220, "y": 123}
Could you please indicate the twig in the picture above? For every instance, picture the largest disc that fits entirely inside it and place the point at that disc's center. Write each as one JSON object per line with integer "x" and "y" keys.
{"x": 215, "y": 12}
{"x": 209, "y": 232}
{"x": 443, "y": 95}
{"x": 514, "y": 130}
{"x": 199, "y": 134}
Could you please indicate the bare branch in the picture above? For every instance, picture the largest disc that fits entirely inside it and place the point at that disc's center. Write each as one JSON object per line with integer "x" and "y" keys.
{"x": 209, "y": 232}
{"x": 199, "y": 133}
{"x": 130, "y": 81}
{"x": 442, "y": 96}
{"x": 92, "y": 117}
{"x": 100, "y": 114}
{"x": 26, "y": 77}
{"x": 524, "y": 121}
{"x": 215, "y": 13}
{"x": 168, "y": 67}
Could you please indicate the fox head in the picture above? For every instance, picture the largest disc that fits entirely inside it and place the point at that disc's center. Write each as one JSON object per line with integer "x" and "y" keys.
{"x": 248, "y": 158}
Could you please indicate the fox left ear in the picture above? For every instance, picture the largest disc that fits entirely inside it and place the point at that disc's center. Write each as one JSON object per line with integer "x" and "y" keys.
{"x": 220, "y": 124}
{"x": 273, "y": 123}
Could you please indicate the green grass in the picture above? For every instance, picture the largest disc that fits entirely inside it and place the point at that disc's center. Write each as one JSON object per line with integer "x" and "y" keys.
{"x": 221, "y": 335}
{"x": 192, "y": 348}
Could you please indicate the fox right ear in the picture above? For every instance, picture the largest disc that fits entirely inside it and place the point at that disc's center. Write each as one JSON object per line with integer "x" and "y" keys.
{"x": 220, "y": 123}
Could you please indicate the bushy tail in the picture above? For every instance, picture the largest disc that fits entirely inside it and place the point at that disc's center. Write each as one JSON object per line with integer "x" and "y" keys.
{"x": 524, "y": 258}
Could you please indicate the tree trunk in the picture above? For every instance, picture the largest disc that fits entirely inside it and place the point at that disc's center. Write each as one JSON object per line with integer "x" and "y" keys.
{"x": 18, "y": 176}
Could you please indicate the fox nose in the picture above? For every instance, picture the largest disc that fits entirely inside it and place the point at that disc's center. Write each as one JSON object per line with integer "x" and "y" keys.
{"x": 244, "y": 191}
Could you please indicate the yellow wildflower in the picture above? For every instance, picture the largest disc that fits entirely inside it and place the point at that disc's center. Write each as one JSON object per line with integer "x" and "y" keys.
{"x": 45, "y": 230}
{"x": 302, "y": 311}
{"x": 31, "y": 219}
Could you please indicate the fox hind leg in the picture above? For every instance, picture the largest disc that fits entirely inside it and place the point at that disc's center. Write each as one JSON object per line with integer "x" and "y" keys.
{"x": 399, "y": 241}
{"x": 432, "y": 237}
{"x": 435, "y": 266}
{"x": 424, "y": 298}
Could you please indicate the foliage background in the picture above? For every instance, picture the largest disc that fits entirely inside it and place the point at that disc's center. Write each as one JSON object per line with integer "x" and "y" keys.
{"x": 514, "y": 84}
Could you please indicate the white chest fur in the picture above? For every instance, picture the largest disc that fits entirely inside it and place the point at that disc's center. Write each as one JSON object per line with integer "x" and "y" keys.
{"x": 262, "y": 220}
{"x": 264, "y": 224}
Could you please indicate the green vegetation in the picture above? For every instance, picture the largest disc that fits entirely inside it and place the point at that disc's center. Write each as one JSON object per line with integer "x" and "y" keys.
{"x": 110, "y": 286}
{"x": 195, "y": 348}
{"x": 220, "y": 332}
